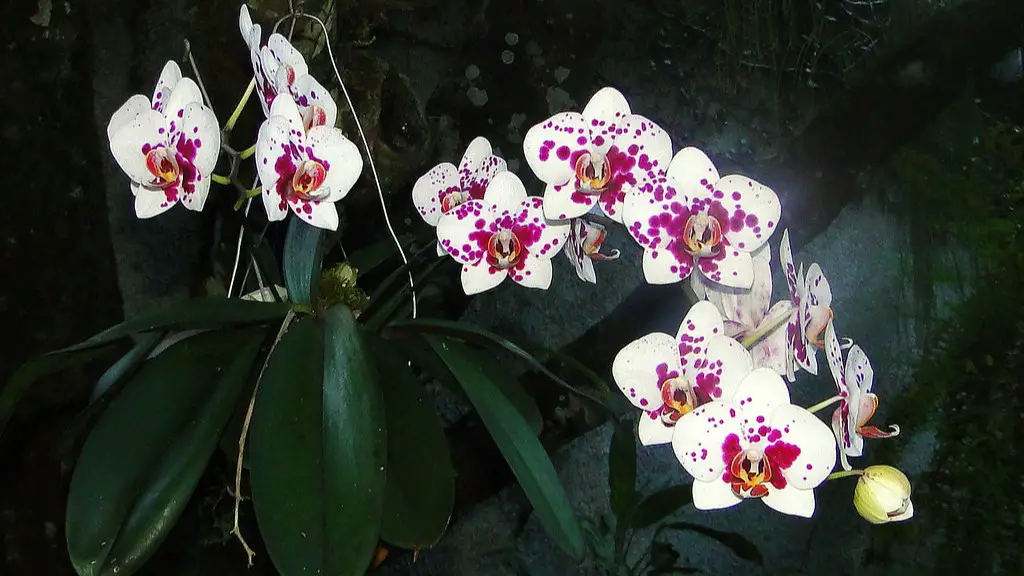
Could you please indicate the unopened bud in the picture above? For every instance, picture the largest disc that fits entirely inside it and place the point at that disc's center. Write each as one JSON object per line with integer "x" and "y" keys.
{"x": 883, "y": 495}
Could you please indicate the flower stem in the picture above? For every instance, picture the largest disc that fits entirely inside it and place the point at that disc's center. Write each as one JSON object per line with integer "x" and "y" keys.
{"x": 222, "y": 180}
{"x": 824, "y": 404}
{"x": 767, "y": 329}
{"x": 844, "y": 474}
{"x": 240, "y": 106}
{"x": 249, "y": 194}
{"x": 247, "y": 152}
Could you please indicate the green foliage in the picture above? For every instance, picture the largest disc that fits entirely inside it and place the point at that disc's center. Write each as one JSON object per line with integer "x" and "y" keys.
{"x": 338, "y": 286}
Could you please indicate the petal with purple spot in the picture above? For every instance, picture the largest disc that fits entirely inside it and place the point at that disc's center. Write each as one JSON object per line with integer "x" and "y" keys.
{"x": 562, "y": 202}
{"x": 505, "y": 192}
{"x": 169, "y": 78}
{"x": 316, "y": 213}
{"x": 430, "y": 190}
{"x": 480, "y": 277}
{"x": 760, "y": 393}
{"x": 604, "y": 115}
{"x": 693, "y": 173}
{"x": 477, "y": 150}
{"x": 185, "y": 92}
{"x": 150, "y": 202}
{"x": 726, "y": 363}
{"x": 126, "y": 114}
{"x": 642, "y": 365}
{"x": 475, "y": 183}
{"x": 655, "y": 216}
{"x": 647, "y": 144}
{"x": 134, "y": 139}
{"x": 652, "y": 430}
{"x": 532, "y": 272}
{"x": 662, "y": 267}
{"x": 339, "y": 155}
{"x": 549, "y": 146}
{"x": 817, "y": 446}
{"x": 753, "y": 211}
{"x": 465, "y": 230}
{"x": 543, "y": 238}
{"x": 199, "y": 138}
{"x": 308, "y": 92}
{"x": 700, "y": 437}
{"x": 276, "y": 159}
{"x": 730, "y": 267}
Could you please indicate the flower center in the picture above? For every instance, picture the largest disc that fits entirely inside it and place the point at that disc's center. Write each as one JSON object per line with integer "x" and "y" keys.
{"x": 313, "y": 116}
{"x": 750, "y": 474}
{"x": 307, "y": 180}
{"x": 453, "y": 199}
{"x": 504, "y": 249}
{"x": 680, "y": 399}
{"x": 702, "y": 235}
{"x": 593, "y": 172}
{"x": 163, "y": 166}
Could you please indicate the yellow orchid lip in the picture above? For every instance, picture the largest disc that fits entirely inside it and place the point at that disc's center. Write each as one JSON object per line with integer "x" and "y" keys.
{"x": 162, "y": 164}
{"x": 593, "y": 172}
{"x": 504, "y": 249}
{"x": 307, "y": 180}
{"x": 702, "y": 234}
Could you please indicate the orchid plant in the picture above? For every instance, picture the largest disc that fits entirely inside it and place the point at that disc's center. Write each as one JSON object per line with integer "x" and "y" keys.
{"x": 314, "y": 384}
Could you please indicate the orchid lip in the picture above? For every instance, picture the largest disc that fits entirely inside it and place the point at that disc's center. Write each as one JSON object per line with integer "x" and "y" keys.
{"x": 680, "y": 399}
{"x": 702, "y": 235}
{"x": 162, "y": 164}
{"x": 815, "y": 332}
{"x": 313, "y": 116}
{"x": 593, "y": 172}
{"x": 307, "y": 180}
{"x": 453, "y": 199}
{"x": 751, "y": 472}
{"x": 504, "y": 249}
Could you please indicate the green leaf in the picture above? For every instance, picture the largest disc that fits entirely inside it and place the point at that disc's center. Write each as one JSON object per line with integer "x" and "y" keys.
{"x": 740, "y": 546}
{"x": 127, "y": 365}
{"x": 474, "y": 334}
{"x": 521, "y": 448}
{"x": 420, "y": 490}
{"x": 386, "y": 307}
{"x": 622, "y": 467}
{"x": 303, "y": 252}
{"x": 372, "y": 256}
{"x": 197, "y": 313}
{"x": 317, "y": 449}
{"x": 660, "y": 505}
{"x": 142, "y": 460}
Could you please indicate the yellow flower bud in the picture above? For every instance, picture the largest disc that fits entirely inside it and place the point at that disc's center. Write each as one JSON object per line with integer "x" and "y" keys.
{"x": 883, "y": 495}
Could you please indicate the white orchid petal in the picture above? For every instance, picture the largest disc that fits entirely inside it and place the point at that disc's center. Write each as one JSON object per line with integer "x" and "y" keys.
{"x": 480, "y": 277}
{"x": 505, "y": 192}
{"x": 692, "y": 173}
{"x": 816, "y": 443}
{"x": 150, "y": 202}
{"x": 431, "y": 188}
{"x": 652, "y": 430}
{"x": 532, "y": 273}
{"x": 145, "y": 130}
{"x": 753, "y": 208}
{"x": 792, "y": 501}
{"x": 642, "y": 365}
{"x": 548, "y": 146}
{"x": 341, "y": 158}
{"x": 732, "y": 268}
{"x": 714, "y": 495}
{"x": 700, "y": 436}
{"x": 661, "y": 267}
{"x": 456, "y": 228}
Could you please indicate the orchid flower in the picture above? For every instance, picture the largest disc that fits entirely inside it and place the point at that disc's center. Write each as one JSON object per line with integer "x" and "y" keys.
{"x": 595, "y": 157}
{"x": 812, "y": 297}
{"x": 668, "y": 377}
{"x": 747, "y": 316}
{"x": 756, "y": 445}
{"x": 279, "y": 68}
{"x": 444, "y": 187}
{"x": 585, "y": 241}
{"x": 853, "y": 382}
{"x": 691, "y": 217}
{"x": 168, "y": 145}
{"x": 504, "y": 234}
{"x": 308, "y": 171}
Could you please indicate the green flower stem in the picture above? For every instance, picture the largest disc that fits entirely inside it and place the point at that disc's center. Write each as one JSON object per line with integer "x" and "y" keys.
{"x": 240, "y": 106}
{"x": 249, "y": 194}
{"x": 223, "y": 180}
{"x": 844, "y": 474}
{"x": 824, "y": 404}
{"x": 761, "y": 332}
{"x": 247, "y": 152}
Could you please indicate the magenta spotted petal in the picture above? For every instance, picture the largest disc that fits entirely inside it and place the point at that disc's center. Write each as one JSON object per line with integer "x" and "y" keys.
{"x": 446, "y": 186}
{"x": 595, "y": 157}
{"x": 168, "y": 146}
{"x": 502, "y": 238}
{"x": 811, "y": 295}
{"x": 306, "y": 172}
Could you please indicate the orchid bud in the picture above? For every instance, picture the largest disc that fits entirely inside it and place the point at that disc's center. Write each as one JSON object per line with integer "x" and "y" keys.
{"x": 883, "y": 495}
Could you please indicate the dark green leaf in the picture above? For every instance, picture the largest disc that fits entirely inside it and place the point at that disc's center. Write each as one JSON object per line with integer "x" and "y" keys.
{"x": 145, "y": 455}
{"x": 740, "y": 546}
{"x": 622, "y": 467}
{"x": 303, "y": 252}
{"x": 420, "y": 489}
{"x": 474, "y": 334}
{"x": 369, "y": 258}
{"x": 126, "y": 366}
{"x": 521, "y": 448}
{"x": 317, "y": 451}
{"x": 386, "y": 307}
{"x": 197, "y": 313}
{"x": 660, "y": 505}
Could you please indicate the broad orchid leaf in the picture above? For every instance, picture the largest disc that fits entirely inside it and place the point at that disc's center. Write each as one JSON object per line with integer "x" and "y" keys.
{"x": 477, "y": 335}
{"x": 522, "y": 450}
{"x": 374, "y": 255}
{"x": 126, "y": 366}
{"x": 385, "y": 308}
{"x": 197, "y": 313}
{"x": 303, "y": 253}
{"x": 740, "y": 546}
{"x": 142, "y": 460}
{"x": 622, "y": 467}
{"x": 659, "y": 505}
{"x": 420, "y": 489}
{"x": 317, "y": 451}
